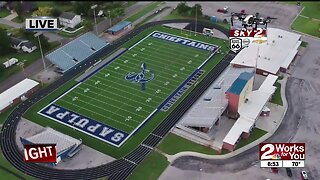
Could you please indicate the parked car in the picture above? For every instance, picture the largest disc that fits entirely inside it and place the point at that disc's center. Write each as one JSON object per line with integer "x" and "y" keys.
{"x": 304, "y": 175}
{"x": 289, "y": 172}
{"x": 274, "y": 170}
{"x": 222, "y": 11}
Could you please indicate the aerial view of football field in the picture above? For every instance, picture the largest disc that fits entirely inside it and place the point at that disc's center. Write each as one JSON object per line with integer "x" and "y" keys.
{"x": 115, "y": 107}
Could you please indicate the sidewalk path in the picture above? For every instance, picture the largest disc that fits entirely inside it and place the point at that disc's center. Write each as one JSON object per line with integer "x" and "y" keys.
{"x": 10, "y": 23}
{"x": 11, "y": 16}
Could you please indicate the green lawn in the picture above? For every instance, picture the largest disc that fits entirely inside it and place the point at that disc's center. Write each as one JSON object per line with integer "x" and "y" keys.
{"x": 130, "y": 3}
{"x": 11, "y": 173}
{"x": 309, "y": 20}
{"x": 71, "y": 35}
{"x": 174, "y": 144}
{"x": 27, "y": 58}
{"x": 151, "y": 168}
{"x": 62, "y": 7}
{"x": 307, "y": 26}
{"x": 18, "y": 20}
{"x": 4, "y": 115}
{"x": 256, "y": 134}
{"x": 3, "y": 26}
{"x": 304, "y": 44}
{"x": 4, "y": 13}
{"x": 147, "y": 128}
{"x": 152, "y": 6}
{"x": 277, "y": 95}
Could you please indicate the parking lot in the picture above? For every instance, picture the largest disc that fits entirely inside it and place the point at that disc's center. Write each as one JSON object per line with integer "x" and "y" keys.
{"x": 283, "y": 12}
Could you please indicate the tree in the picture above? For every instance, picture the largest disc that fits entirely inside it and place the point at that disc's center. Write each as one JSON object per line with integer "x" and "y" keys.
{"x": 83, "y": 8}
{"x": 44, "y": 42}
{"x": 56, "y": 12}
{"x": 43, "y": 11}
{"x": 5, "y": 47}
{"x": 196, "y": 10}
{"x": 183, "y": 8}
{"x": 88, "y": 26}
{"x": 18, "y": 9}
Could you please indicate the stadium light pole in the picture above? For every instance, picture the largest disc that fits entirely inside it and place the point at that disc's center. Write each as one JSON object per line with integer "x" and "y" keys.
{"x": 94, "y": 15}
{"x": 195, "y": 25}
{"x": 38, "y": 35}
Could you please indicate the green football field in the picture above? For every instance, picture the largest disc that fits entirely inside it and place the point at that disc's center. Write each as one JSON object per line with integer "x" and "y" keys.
{"x": 109, "y": 98}
{"x": 138, "y": 136}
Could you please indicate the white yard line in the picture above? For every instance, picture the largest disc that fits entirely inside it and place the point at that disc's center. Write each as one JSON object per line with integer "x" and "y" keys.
{"x": 105, "y": 109}
{"x": 158, "y": 75}
{"x": 102, "y": 78}
{"x": 112, "y": 99}
{"x": 123, "y": 97}
{"x": 157, "y": 79}
{"x": 97, "y": 114}
{"x": 128, "y": 87}
{"x": 153, "y": 96}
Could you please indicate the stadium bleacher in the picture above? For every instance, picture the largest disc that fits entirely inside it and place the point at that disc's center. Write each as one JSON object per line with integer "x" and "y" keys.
{"x": 76, "y": 51}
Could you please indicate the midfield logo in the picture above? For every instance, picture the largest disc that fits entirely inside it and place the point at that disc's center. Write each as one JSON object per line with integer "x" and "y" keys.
{"x": 143, "y": 77}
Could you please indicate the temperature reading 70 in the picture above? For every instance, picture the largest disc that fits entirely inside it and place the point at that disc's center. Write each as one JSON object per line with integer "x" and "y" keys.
{"x": 295, "y": 163}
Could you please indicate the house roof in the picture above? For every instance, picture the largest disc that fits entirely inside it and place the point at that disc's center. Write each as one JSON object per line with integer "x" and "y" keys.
{"x": 17, "y": 41}
{"x": 240, "y": 83}
{"x": 2, "y": 3}
{"x": 67, "y": 15}
{"x": 28, "y": 44}
{"x": 119, "y": 26}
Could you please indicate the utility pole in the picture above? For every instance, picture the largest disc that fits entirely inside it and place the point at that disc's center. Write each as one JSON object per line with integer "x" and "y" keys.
{"x": 109, "y": 12}
{"x": 222, "y": 96}
{"x": 94, "y": 15}
{"x": 37, "y": 35}
{"x": 255, "y": 66}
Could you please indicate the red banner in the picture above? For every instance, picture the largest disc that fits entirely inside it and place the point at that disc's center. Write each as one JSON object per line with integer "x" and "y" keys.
{"x": 40, "y": 153}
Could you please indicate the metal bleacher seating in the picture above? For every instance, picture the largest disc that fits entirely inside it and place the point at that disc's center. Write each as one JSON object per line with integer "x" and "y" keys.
{"x": 76, "y": 51}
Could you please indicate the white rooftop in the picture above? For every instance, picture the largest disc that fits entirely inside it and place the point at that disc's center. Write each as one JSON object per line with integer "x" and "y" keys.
{"x": 277, "y": 52}
{"x": 204, "y": 113}
{"x": 50, "y": 136}
{"x": 251, "y": 110}
{"x": 7, "y": 97}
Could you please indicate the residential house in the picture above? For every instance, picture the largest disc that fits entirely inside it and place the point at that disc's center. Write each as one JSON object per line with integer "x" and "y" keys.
{"x": 24, "y": 45}
{"x": 17, "y": 43}
{"x": 27, "y": 6}
{"x": 68, "y": 19}
{"x": 3, "y": 4}
{"x": 28, "y": 47}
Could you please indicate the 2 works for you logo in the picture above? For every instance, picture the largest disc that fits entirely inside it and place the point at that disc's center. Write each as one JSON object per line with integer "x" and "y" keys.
{"x": 40, "y": 153}
{"x": 42, "y": 23}
{"x": 142, "y": 77}
{"x": 282, "y": 151}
